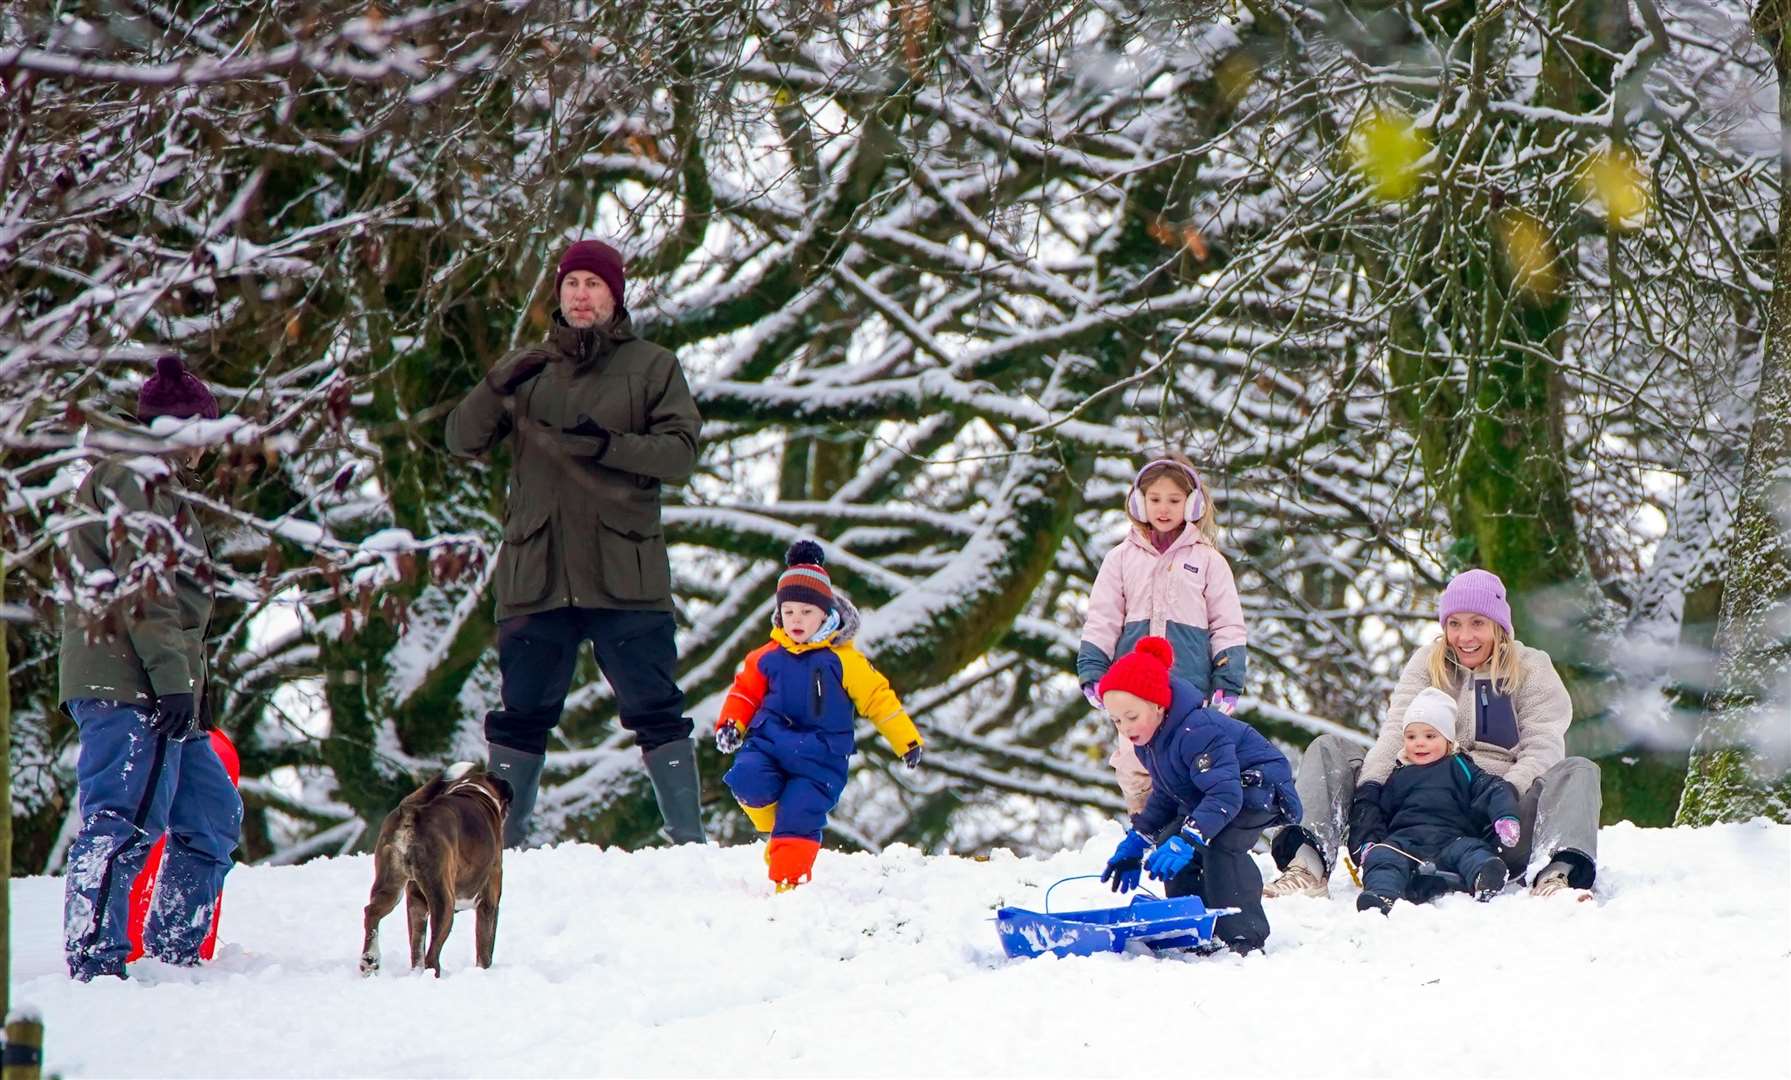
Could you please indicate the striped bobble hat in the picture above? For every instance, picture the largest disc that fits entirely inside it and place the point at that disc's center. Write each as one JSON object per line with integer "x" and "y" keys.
{"x": 806, "y": 580}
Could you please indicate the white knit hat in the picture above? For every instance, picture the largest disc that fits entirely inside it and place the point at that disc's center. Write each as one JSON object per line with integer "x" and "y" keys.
{"x": 1434, "y": 707}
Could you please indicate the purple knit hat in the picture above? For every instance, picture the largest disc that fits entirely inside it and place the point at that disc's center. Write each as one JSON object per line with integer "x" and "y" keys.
{"x": 174, "y": 391}
{"x": 1477, "y": 592}
{"x": 598, "y": 258}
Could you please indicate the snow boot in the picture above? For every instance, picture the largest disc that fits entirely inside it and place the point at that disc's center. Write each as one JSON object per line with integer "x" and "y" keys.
{"x": 790, "y": 860}
{"x": 522, "y": 771}
{"x": 1489, "y": 879}
{"x": 1552, "y": 880}
{"x": 1296, "y": 880}
{"x": 678, "y": 789}
{"x": 1373, "y": 901}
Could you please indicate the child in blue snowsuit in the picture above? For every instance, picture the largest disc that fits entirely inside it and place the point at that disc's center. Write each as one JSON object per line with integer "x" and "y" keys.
{"x": 1216, "y": 783}
{"x": 1435, "y": 812}
{"x": 791, "y": 714}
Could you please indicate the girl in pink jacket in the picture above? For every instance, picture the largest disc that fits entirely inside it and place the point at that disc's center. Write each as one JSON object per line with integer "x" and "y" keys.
{"x": 1166, "y": 579}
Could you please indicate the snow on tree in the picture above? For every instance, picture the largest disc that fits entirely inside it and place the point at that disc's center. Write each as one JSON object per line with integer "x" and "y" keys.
{"x": 943, "y": 275}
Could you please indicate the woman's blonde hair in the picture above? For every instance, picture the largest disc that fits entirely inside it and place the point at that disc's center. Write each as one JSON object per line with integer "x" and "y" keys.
{"x": 1177, "y": 468}
{"x": 1506, "y": 666}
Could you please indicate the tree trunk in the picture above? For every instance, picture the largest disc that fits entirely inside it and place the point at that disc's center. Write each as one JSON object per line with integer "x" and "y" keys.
{"x": 1735, "y": 772}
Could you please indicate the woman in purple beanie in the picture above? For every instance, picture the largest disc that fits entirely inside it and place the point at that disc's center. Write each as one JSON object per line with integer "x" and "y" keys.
{"x": 1511, "y": 718}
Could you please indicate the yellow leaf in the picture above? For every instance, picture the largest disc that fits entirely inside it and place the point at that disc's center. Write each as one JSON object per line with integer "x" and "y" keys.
{"x": 1235, "y": 76}
{"x": 1386, "y": 149}
{"x": 1614, "y": 179}
{"x": 1529, "y": 254}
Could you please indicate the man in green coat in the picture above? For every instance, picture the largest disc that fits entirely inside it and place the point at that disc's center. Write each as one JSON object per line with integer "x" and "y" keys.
{"x": 597, "y": 420}
{"x": 133, "y": 678}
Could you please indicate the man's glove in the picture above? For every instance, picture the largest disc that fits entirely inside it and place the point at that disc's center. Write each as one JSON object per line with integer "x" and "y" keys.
{"x": 591, "y": 429}
{"x": 174, "y": 716}
{"x": 1508, "y": 831}
{"x": 506, "y": 380}
{"x": 1126, "y": 864}
{"x": 729, "y": 737}
{"x": 1088, "y": 691}
{"x": 912, "y": 757}
{"x": 1174, "y": 854}
{"x": 1224, "y": 701}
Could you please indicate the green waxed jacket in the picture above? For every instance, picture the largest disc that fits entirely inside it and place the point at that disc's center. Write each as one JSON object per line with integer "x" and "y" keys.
{"x": 125, "y": 638}
{"x": 582, "y": 523}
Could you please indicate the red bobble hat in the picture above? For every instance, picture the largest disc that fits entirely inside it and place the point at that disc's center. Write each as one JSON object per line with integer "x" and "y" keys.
{"x": 1143, "y": 672}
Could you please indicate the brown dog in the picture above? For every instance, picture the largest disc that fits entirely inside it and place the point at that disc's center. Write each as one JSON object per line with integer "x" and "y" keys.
{"x": 443, "y": 848}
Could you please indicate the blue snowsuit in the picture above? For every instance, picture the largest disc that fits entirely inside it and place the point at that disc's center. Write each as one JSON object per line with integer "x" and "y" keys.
{"x": 798, "y": 703}
{"x": 1441, "y": 811}
{"x": 1218, "y": 776}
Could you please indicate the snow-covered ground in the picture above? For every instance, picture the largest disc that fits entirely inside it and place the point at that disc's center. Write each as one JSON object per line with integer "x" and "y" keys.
{"x": 679, "y": 962}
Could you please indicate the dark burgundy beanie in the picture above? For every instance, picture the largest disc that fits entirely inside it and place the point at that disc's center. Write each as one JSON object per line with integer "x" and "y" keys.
{"x": 174, "y": 391}
{"x": 598, "y": 258}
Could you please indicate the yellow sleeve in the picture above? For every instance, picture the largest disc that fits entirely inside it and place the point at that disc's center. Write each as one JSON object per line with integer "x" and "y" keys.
{"x": 871, "y": 695}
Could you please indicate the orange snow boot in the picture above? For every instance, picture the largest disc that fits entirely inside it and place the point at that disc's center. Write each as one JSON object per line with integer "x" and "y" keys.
{"x": 791, "y": 860}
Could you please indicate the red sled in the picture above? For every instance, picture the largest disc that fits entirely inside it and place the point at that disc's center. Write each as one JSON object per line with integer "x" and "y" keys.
{"x": 144, "y": 887}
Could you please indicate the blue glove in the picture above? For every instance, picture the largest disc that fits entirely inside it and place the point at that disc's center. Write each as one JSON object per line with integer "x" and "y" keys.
{"x": 1174, "y": 854}
{"x": 729, "y": 737}
{"x": 1126, "y": 864}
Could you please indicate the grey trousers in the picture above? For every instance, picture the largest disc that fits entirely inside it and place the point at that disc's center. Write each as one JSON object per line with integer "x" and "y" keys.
{"x": 1559, "y": 812}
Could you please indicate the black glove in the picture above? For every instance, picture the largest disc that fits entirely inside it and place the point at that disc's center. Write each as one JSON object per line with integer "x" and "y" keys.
{"x": 174, "y": 716}
{"x": 912, "y": 757}
{"x": 506, "y": 380}
{"x": 591, "y": 429}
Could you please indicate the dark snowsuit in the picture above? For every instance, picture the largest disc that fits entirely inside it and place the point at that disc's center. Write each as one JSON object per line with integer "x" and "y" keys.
{"x": 592, "y": 438}
{"x": 134, "y": 785}
{"x": 1441, "y": 811}
{"x": 1218, "y": 776}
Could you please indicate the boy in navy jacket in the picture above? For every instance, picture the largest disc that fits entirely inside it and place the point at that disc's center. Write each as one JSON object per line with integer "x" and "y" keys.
{"x": 1437, "y": 808}
{"x": 1216, "y": 783}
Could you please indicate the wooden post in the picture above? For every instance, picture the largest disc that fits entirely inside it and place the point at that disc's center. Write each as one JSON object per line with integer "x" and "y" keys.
{"x": 6, "y": 804}
{"x": 23, "y": 1057}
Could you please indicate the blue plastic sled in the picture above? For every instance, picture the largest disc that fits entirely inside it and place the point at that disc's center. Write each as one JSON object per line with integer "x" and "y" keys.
{"x": 1159, "y": 925}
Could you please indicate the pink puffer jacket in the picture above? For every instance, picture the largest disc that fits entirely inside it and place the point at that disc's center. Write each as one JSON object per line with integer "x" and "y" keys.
{"x": 1186, "y": 594}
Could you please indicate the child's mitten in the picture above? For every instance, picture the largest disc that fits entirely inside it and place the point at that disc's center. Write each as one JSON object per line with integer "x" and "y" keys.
{"x": 1174, "y": 854}
{"x": 1508, "y": 831}
{"x": 1126, "y": 864}
{"x": 729, "y": 737}
{"x": 1088, "y": 691}
{"x": 1223, "y": 700}
{"x": 912, "y": 757}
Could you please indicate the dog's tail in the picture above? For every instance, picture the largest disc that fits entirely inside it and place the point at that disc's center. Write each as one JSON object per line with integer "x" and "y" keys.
{"x": 408, "y": 809}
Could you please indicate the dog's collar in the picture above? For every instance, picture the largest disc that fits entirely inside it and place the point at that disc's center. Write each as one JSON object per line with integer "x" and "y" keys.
{"x": 474, "y": 785}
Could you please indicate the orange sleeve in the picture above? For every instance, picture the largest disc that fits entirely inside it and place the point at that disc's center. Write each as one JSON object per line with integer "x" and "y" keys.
{"x": 748, "y": 691}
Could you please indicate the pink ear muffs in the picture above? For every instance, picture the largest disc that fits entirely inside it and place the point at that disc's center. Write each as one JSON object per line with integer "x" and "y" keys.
{"x": 1196, "y": 498}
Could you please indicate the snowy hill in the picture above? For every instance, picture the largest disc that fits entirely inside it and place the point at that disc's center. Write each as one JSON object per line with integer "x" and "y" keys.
{"x": 678, "y": 962}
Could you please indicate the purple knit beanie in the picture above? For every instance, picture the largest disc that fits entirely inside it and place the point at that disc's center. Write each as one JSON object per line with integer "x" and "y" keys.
{"x": 174, "y": 391}
{"x": 598, "y": 258}
{"x": 1477, "y": 592}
